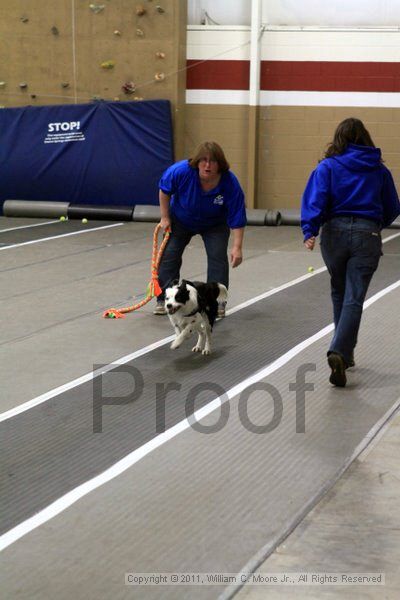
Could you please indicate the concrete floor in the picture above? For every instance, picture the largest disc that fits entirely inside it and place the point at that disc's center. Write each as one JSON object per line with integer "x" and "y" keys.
{"x": 52, "y": 296}
{"x": 355, "y": 528}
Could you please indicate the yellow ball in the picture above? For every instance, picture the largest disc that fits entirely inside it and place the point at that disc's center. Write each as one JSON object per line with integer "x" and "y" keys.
{"x": 310, "y": 269}
{"x": 62, "y": 218}
{"x": 84, "y": 221}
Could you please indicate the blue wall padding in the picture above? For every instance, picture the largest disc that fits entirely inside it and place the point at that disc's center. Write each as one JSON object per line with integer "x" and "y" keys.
{"x": 104, "y": 153}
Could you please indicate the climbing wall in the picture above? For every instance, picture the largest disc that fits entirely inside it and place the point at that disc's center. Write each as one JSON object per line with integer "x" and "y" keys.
{"x": 75, "y": 51}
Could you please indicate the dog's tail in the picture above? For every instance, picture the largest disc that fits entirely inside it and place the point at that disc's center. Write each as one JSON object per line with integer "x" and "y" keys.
{"x": 223, "y": 293}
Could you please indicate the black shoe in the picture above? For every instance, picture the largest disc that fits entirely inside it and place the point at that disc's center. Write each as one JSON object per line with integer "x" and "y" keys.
{"x": 338, "y": 367}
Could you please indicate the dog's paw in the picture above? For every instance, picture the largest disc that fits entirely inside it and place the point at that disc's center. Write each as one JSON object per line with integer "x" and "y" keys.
{"x": 206, "y": 352}
{"x": 196, "y": 348}
{"x": 175, "y": 344}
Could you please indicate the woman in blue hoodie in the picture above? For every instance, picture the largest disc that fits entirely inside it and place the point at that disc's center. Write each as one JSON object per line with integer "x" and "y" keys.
{"x": 352, "y": 196}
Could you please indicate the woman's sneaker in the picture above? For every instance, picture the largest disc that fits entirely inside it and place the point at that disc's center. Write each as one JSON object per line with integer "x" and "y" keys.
{"x": 221, "y": 310}
{"x": 160, "y": 308}
{"x": 338, "y": 368}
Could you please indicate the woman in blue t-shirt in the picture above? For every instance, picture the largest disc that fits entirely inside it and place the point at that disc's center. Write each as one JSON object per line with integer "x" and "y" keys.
{"x": 201, "y": 196}
{"x": 350, "y": 194}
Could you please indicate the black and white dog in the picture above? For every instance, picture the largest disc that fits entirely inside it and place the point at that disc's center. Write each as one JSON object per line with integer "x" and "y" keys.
{"x": 192, "y": 306}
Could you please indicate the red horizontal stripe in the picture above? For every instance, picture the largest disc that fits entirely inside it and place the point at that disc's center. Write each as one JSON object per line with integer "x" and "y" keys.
{"x": 330, "y": 76}
{"x": 322, "y": 76}
{"x": 218, "y": 75}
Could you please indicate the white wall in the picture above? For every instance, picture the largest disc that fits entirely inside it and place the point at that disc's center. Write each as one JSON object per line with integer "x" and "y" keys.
{"x": 299, "y": 12}
{"x": 333, "y": 12}
{"x": 223, "y": 12}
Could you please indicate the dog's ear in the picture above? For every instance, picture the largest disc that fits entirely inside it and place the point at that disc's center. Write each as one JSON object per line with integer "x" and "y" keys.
{"x": 174, "y": 282}
{"x": 186, "y": 281}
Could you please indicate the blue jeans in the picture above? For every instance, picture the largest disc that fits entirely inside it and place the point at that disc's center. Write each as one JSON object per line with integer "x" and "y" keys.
{"x": 215, "y": 240}
{"x": 351, "y": 248}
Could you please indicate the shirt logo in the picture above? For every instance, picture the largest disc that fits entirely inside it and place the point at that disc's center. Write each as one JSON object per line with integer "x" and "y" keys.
{"x": 219, "y": 200}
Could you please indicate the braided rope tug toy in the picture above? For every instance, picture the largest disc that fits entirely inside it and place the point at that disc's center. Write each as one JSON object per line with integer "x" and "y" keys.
{"x": 153, "y": 289}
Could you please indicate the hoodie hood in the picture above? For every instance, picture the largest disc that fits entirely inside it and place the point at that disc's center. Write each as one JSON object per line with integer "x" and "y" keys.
{"x": 360, "y": 158}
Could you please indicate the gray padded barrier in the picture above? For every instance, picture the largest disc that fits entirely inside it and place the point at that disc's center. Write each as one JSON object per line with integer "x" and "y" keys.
{"x": 273, "y": 217}
{"x": 104, "y": 213}
{"x": 259, "y": 216}
{"x": 256, "y": 216}
{"x": 395, "y": 224}
{"x": 290, "y": 216}
{"x": 34, "y": 208}
{"x": 146, "y": 212}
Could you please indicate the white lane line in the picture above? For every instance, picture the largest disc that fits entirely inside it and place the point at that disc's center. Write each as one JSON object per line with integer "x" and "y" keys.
{"x": 121, "y": 361}
{"x": 390, "y": 237}
{"x": 124, "y": 359}
{"x": 274, "y": 291}
{"x": 368, "y": 440}
{"x": 80, "y": 380}
{"x": 28, "y": 226}
{"x": 128, "y": 461}
{"x": 57, "y": 237}
{"x": 290, "y": 283}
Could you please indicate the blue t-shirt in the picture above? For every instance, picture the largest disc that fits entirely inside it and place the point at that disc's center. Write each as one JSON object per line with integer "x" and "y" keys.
{"x": 197, "y": 209}
{"x": 354, "y": 183}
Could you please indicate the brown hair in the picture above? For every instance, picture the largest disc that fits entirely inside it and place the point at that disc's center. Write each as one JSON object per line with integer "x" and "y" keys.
{"x": 349, "y": 131}
{"x": 214, "y": 151}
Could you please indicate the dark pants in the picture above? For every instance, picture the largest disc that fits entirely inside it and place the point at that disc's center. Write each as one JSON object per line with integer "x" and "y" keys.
{"x": 351, "y": 248}
{"x": 216, "y": 244}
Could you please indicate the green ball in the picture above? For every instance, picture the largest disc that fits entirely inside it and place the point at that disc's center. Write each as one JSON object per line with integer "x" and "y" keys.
{"x": 310, "y": 269}
{"x": 84, "y": 221}
{"x": 62, "y": 218}
{"x": 112, "y": 316}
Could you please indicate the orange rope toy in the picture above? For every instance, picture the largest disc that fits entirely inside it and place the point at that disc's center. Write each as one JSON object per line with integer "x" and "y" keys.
{"x": 153, "y": 289}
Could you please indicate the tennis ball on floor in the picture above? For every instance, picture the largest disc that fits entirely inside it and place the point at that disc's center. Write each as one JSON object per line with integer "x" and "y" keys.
{"x": 84, "y": 221}
{"x": 63, "y": 218}
{"x": 310, "y": 269}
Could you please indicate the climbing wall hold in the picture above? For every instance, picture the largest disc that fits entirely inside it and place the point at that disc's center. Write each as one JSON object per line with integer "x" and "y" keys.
{"x": 2, "y": 84}
{"x": 54, "y": 30}
{"x": 108, "y": 64}
{"x": 160, "y": 54}
{"x": 159, "y": 76}
{"x": 117, "y": 32}
{"x": 96, "y": 8}
{"x": 160, "y": 9}
{"x": 129, "y": 87}
{"x": 65, "y": 84}
{"x": 24, "y": 19}
{"x": 140, "y": 10}
{"x": 23, "y": 85}
{"x": 139, "y": 32}
{"x": 33, "y": 96}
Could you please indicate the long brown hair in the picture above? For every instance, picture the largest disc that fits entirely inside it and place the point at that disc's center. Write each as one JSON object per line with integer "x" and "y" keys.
{"x": 349, "y": 131}
{"x": 214, "y": 151}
